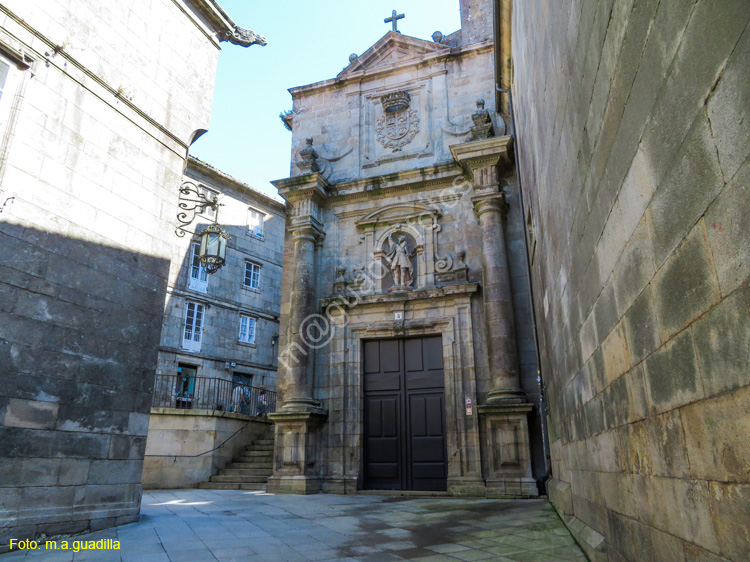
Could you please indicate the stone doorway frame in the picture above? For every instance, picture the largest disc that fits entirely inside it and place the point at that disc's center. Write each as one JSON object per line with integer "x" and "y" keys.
{"x": 462, "y": 432}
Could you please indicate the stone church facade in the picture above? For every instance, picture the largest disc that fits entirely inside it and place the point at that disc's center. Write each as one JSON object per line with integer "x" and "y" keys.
{"x": 406, "y": 346}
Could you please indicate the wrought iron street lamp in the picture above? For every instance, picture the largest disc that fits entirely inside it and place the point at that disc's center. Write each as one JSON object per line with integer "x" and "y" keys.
{"x": 213, "y": 239}
{"x": 213, "y": 251}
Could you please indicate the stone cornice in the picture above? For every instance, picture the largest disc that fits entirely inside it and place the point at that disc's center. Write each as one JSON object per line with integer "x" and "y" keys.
{"x": 308, "y": 186}
{"x": 377, "y": 186}
{"x": 418, "y": 294}
{"x": 380, "y": 71}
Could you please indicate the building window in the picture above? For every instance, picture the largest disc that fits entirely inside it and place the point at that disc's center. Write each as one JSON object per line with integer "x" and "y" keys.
{"x": 191, "y": 336}
{"x": 252, "y": 275}
{"x": 8, "y": 81}
{"x": 255, "y": 221}
{"x": 198, "y": 277}
{"x": 208, "y": 212}
{"x": 247, "y": 329}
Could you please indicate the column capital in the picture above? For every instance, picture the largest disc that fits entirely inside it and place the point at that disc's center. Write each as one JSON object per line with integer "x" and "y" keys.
{"x": 309, "y": 186}
{"x": 489, "y": 203}
{"x": 306, "y": 228}
{"x": 488, "y": 153}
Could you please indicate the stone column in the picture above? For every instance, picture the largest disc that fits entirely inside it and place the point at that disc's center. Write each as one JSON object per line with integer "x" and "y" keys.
{"x": 498, "y": 300}
{"x": 296, "y": 463}
{"x": 299, "y": 391}
{"x": 506, "y": 452}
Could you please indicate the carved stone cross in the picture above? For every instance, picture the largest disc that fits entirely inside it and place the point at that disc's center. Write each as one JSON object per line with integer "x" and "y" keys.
{"x": 394, "y": 19}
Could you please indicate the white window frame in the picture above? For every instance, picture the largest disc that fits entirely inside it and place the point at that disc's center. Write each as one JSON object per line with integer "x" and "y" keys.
{"x": 8, "y": 93}
{"x": 197, "y": 274}
{"x": 255, "y": 222}
{"x": 192, "y": 332}
{"x": 208, "y": 212}
{"x": 248, "y": 329}
{"x": 255, "y": 269}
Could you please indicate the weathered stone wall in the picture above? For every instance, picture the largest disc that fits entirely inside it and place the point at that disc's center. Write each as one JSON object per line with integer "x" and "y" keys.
{"x": 632, "y": 121}
{"x": 187, "y": 433}
{"x": 105, "y": 100}
{"x": 341, "y": 115}
{"x": 476, "y": 21}
{"x": 226, "y": 297}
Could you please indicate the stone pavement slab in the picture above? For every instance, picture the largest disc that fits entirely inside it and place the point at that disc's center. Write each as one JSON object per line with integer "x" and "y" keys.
{"x": 249, "y": 526}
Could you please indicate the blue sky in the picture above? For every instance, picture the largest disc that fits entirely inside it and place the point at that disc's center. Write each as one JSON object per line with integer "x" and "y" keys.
{"x": 307, "y": 42}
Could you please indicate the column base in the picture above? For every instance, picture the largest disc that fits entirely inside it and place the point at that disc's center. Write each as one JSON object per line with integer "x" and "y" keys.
{"x": 302, "y": 485}
{"x": 296, "y": 468}
{"x": 340, "y": 485}
{"x": 300, "y": 405}
{"x": 505, "y": 396}
{"x": 466, "y": 486}
{"x": 512, "y": 488}
{"x": 507, "y": 453}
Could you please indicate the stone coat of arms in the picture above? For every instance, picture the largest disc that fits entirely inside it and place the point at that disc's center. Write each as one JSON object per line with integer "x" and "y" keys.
{"x": 398, "y": 124}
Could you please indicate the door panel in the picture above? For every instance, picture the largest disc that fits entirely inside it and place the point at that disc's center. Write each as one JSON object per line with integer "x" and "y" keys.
{"x": 427, "y": 442}
{"x": 404, "y": 414}
{"x": 383, "y": 444}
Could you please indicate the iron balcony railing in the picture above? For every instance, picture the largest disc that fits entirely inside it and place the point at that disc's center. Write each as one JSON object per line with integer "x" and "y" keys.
{"x": 204, "y": 393}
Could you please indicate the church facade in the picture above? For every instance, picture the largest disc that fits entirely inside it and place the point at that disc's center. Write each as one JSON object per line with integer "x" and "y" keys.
{"x": 406, "y": 354}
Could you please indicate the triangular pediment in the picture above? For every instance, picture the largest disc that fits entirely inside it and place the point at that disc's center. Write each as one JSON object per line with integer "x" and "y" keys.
{"x": 393, "y": 49}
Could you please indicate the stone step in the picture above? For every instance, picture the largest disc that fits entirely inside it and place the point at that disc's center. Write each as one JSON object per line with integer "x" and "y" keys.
{"x": 220, "y": 486}
{"x": 260, "y": 454}
{"x": 253, "y": 486}
{"x": 238, "y": 479}
{"x": 263, "y": 442}
{"x": 259, "y": 448}
{"x": 247, "y": 471}
{"x": 261, "y": 465}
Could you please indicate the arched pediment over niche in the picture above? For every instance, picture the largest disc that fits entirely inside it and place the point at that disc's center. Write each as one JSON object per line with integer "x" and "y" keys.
{"x": 413, "y": 212}
{"x": 417, "y": 239}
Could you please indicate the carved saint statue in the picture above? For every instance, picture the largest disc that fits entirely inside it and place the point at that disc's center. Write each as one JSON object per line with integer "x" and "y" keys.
{"x": 398, "y": 257}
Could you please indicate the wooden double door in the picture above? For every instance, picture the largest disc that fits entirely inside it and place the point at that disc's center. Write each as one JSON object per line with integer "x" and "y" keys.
{"x": 404, "y": 389}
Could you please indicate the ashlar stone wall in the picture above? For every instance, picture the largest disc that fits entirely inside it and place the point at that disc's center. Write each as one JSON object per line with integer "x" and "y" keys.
{"x": 102, "y": 102}
{"x": 633, "y": 130}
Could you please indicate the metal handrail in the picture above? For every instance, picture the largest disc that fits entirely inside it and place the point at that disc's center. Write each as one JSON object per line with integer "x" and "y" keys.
{"x": 210, "y": 393}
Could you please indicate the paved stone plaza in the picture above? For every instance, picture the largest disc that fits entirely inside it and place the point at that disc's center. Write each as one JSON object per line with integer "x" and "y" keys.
{"x": 227, "y": 525}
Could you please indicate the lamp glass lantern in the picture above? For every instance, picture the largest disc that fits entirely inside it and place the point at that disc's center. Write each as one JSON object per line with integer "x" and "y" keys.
{"x": 213, "y": 249}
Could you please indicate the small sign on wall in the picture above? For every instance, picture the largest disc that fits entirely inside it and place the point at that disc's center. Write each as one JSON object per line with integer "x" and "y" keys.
{"x": 469, "y": 407}
{"x": 398, "y": 315}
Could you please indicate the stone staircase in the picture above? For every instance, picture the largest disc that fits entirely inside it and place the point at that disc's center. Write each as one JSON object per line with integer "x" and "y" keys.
{"x": 249, "y": 471}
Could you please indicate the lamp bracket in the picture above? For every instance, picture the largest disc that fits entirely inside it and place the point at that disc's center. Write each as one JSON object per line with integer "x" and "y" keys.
{"x": 192, "y": 201}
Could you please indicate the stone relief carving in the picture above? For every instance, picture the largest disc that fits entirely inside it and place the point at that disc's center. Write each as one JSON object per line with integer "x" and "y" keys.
{"x": 310, "y": 160}
{"x": 339, "y": 285}
{"x": 244, "y": 37}
{"x": 449, "y": 271}
{"x": 398, "y": 124}
{"x": 398, "y": 257}
{"x": 482, "y": 128}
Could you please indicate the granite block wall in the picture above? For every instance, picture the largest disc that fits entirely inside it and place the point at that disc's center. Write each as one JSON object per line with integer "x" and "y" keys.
{"x": 99, "y": 108}
{"x": 633, "y": 129}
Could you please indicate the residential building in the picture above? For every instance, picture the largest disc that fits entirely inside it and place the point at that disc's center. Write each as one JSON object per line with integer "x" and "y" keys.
{"x": 219, "y": 341}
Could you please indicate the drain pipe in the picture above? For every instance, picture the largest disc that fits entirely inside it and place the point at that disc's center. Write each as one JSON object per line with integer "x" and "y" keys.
{"x": 540, "y": 381}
